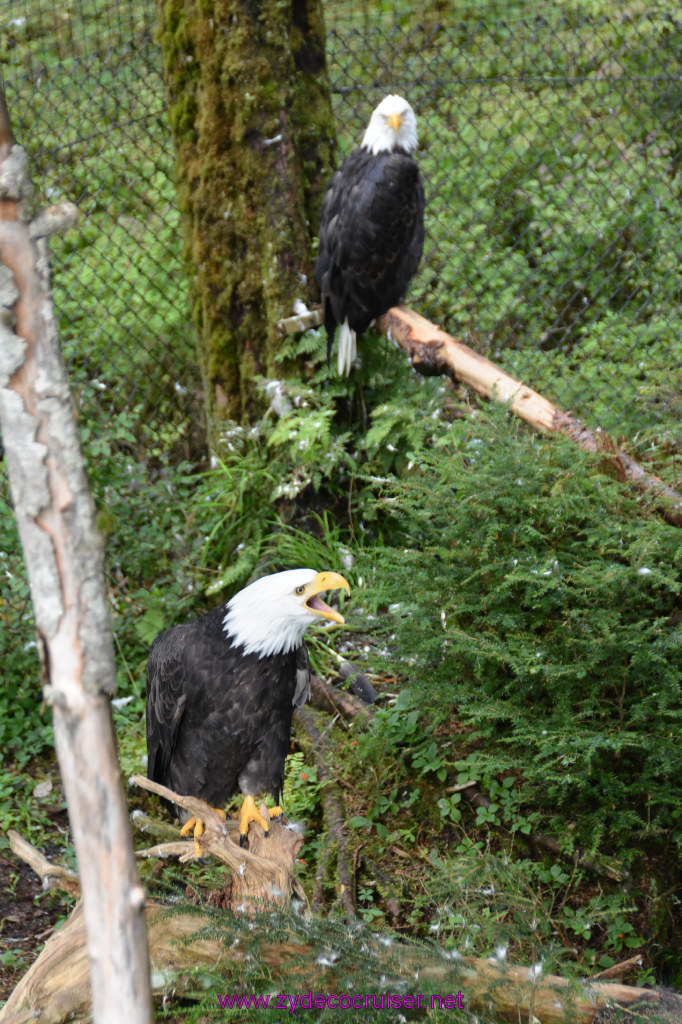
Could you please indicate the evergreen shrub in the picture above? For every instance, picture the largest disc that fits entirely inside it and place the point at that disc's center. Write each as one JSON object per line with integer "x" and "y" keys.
{"x": 538, "y": 599}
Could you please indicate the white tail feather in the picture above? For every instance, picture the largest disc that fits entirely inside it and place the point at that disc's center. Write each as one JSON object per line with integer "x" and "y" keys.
{"x": 348, "y": 349}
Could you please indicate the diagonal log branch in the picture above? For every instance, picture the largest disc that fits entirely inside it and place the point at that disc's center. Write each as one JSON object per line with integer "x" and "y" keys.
{"x": 432, "y": 352}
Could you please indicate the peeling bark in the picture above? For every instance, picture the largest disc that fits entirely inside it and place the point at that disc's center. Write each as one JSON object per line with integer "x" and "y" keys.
{"x": 64, "y": 559}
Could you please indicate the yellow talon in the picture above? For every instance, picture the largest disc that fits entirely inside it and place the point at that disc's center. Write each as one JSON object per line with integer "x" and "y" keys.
{"x": 249, "y": 813}
{"x": 199, "y": 829}
{"x": 188, "y": 826}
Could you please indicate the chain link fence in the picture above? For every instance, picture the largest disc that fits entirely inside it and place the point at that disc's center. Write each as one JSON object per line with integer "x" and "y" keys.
{"x": 551, "y": 144}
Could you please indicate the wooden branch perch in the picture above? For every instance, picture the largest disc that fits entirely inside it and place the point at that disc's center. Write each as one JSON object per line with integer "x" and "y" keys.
{"x": 64, "y": 559}
{"x": 261, "y": 875}
{"x": 433, "y": 352}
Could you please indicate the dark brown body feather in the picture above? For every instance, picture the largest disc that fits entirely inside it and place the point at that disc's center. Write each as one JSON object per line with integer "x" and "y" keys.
{"x": 219, "y": 720}
{"x": 371, "y": 237}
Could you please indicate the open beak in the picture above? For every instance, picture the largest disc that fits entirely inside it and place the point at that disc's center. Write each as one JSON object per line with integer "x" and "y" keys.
{"x": 395, "y": 121}
{"x": 322, "y": 582}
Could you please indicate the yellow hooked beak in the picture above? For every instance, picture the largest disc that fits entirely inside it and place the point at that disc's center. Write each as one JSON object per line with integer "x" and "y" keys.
{"x": 322, "y": 582}
{"x": 395, "y": 121}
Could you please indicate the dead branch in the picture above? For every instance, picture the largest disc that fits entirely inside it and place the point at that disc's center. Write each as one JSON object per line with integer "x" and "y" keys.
{"x": 154, "y": 827}
{"x": 55, "y": 989}
{"x": 432, "y": 352}
{"x": 53, "y": 876}
{"x": 334, "y": 815}
{"x": 261, "y": 875}
{"x": 299, "y": 323}
{"x": 477, "y": 798}
{"x": 64, "y": 558}
{"x": 618, "y": 970}
{"x": 327, "y": 698}
{"x": 605, "y": 868}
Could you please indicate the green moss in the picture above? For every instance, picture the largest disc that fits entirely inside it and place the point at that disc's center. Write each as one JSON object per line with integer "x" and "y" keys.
{"x": 246, "y": 198}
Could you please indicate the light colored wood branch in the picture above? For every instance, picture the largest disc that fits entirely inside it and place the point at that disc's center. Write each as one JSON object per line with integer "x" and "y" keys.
{"x": 261, "y": 875}
{"x": 53, "y": 876}
{"x": 64, "y": 560}
{"x": 299, "y": 323}
{"x": 432, "y": 352}
{"x": 618, "y": 970}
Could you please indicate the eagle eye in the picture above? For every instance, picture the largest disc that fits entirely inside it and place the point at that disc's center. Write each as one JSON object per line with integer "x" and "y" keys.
{"x": 299, "y": 590}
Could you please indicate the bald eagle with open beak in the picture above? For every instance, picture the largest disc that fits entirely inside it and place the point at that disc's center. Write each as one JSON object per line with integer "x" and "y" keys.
{"x": 221, "y": 692}
{"x": 371, "y": 228}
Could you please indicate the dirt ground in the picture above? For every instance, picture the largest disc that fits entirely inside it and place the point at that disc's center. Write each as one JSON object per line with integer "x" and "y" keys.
{"x": 27, "y": 918}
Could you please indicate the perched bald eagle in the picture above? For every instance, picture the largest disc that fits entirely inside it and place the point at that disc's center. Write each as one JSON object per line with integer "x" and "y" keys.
{"x": 371, "y": 228}
{"x": 221, "y": 692}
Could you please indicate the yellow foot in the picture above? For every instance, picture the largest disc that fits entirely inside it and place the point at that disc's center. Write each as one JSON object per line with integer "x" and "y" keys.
{"x": 199, "y": 829}
{"x": 250, "y": 812}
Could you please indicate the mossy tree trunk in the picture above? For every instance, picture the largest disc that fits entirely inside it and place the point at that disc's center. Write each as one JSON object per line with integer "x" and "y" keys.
{"x": 250, "y": 111}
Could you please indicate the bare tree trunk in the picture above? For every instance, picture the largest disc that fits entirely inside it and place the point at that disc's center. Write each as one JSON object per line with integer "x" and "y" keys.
{"x": 250, "y": 111}
{"x": 63, "y": 554}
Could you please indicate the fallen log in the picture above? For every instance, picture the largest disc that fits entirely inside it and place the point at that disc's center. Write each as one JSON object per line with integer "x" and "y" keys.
{"x": 323, "y": 957}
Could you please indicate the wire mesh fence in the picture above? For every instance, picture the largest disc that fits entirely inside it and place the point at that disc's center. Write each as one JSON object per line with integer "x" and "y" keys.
{"x": 551, "y": 142}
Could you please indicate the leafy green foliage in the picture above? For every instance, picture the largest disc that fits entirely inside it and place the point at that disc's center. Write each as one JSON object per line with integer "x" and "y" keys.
{"x": 538, "y": 601}
{"x": 505, "y": 583}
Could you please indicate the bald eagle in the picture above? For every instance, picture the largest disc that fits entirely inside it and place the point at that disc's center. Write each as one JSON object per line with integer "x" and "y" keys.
{"x": 221, "y": 692}
{"x": 371, "y": 228}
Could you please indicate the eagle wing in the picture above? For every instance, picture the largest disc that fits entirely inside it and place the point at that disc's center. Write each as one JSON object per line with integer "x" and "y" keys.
{"x": 371, "y": 235}
{"x": 166, "y": 703}
{"x": 302, "y": 691}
